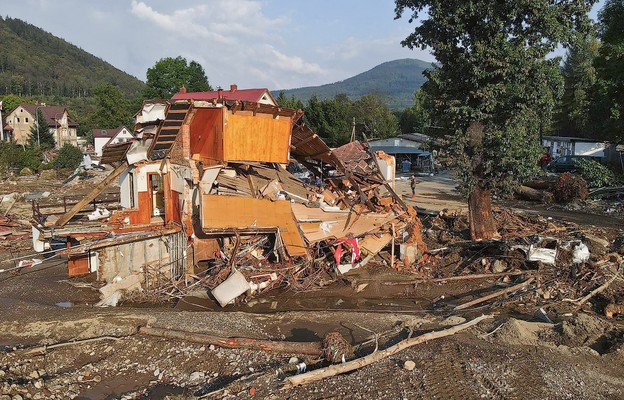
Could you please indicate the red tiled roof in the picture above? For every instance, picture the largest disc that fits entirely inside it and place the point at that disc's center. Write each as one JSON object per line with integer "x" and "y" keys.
{"x": 251, "y": 95}
{"x": 106, "y": 133}
{"x": 8, "y": 128}
{"x": 50, "y": 112}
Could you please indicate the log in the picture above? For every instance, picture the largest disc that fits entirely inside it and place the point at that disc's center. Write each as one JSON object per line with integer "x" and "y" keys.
{"x": 462, "y": 277}
{"x": 307, "y": 348}
{"x": 540, "y": 184}
{"x": 494, "y": 295}
{"x": 337, "y": 369}
{"x": 531, "y": 194}
{"x": 43, "y": 349}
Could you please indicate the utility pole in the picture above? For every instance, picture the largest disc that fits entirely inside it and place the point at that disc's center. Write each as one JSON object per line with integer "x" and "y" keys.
{"x": 37, "y": 122}
{"x": 1, "y": 123}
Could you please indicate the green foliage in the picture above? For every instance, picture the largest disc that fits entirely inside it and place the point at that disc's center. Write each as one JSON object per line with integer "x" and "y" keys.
{"x": 373, "y": 118}
{"x": 415, "y": 118}
{"x": 9, "y": 102}
{"x": 35, "y": 63}
{"x": 333, "y": 119}
{"x": 169, "y": 74}
{"x": 68, "y": 157}
{"x": 608, "y": 112}
{"x": 579, "y": 76}
{"x": 394, "y": 81}
{"x": 493, "y": 72}
{"x": 15, "y": 157}
{"x": 111, "y": 110}
{"x": 596, "y": 174}
{"x": 40, "y": 134}
{"x": 289, "y": 102}
{"x": 570, "y": 187}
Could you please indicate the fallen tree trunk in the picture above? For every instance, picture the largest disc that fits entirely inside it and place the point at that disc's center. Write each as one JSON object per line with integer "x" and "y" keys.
{"x": 541, "y": 184}
{"x": 494, "y": 295}
{"x": 337, "y": 369}
{"x": 307, "y": 348}
{"x": 531, "y": 194}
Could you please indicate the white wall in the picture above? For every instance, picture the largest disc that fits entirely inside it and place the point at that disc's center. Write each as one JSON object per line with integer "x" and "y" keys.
{"x": 589, "y": 149}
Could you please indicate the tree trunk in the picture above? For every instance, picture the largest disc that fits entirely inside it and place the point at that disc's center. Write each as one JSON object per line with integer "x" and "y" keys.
{"x": 482, "y": 224}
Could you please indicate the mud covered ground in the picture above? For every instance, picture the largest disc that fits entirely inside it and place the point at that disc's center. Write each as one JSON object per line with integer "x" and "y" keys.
{"x": 514, "y": 355}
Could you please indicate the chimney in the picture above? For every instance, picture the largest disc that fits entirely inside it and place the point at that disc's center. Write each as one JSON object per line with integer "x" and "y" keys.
{"x": 233, "y": 88}
{"x": 182, "y": 90}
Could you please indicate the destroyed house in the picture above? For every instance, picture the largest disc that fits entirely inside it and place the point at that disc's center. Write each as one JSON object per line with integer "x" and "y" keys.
{"x": 203, "y": 177}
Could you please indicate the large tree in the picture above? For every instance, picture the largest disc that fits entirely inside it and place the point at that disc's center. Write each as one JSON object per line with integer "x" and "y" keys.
{"x": 40, "y": 134}
{"x": 493, "y": 86}
{"x": 415, "y": 119}
{"x": 579, "y": 76}
{"x": 169, "y": 74}
{"x": 608, "y": 110}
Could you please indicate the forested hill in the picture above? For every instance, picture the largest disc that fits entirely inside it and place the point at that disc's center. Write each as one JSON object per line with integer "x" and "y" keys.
{"x": 395, "y": 81}
{"x": 34, "y": 62}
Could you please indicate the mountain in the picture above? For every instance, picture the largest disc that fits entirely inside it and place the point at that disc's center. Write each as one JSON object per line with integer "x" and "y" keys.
{"x": 395, "y": 80}
{"x": 34, "y": 62}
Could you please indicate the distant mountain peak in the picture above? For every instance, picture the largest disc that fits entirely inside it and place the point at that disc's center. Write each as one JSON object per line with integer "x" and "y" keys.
{"x": 396, "y": 81}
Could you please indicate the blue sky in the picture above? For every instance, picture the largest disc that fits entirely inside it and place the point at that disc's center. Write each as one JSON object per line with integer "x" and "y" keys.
{"x": 276, "y": 44}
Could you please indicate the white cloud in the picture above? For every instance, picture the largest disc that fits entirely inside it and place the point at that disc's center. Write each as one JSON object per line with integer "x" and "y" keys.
{"x": 233, "y": 39}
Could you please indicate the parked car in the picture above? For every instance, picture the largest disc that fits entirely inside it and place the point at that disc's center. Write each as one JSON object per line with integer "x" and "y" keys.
{"x": 568, "y": 163}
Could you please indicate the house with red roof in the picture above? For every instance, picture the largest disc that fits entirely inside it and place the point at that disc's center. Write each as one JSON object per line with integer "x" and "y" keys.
{"x": 58, "y": 121}
{"x": 262, "y": 96}
{"x": 104, "y": 137}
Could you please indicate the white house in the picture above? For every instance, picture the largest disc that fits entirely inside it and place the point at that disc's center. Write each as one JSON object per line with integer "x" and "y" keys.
{"x": 102, "y": 137}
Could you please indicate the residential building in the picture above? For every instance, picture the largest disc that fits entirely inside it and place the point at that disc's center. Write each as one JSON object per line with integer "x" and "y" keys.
{"x": 260, "y": 96}
{"x": 58, "y": 120}
{"x": 103, "y": 137}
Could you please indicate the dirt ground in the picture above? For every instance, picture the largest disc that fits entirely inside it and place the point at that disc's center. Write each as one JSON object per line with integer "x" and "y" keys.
{"x": 514, "y": 355}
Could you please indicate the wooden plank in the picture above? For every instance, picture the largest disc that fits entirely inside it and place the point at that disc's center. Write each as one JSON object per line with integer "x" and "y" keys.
{"x": 259, "y": 138}
{"x": 219, "y": 212}
{"x": 92, "y": 195}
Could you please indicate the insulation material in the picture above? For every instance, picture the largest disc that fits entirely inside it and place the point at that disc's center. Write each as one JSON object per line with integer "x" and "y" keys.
{"x": 138, "y": 151}
{"x": 178, "y": 174}
{"x": 208, "y": 178}
{"x": 151, "y": 112}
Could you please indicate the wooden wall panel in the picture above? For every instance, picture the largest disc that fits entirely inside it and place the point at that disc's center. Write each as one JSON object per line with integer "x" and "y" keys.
{"x": 220, "y": 212}
{"x": 143, "y": 214}
{"x": 207, "y": 134}
{"x": 256, "y": 138}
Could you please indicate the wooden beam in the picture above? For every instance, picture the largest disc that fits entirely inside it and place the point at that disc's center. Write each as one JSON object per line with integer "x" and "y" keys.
{"x": 306, "y": 140}
{"x": 92, "y": 195}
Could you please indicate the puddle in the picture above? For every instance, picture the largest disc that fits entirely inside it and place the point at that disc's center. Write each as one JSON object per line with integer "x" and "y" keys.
{"x": 65, "y": 304}
{"x": 281, "y": 303}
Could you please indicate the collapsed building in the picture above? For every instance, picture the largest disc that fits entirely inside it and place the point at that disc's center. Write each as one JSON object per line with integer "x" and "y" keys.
{"x": 207, "y": 194}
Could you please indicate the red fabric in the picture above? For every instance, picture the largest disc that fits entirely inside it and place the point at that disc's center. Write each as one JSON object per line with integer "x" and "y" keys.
{"x": 355, "y": 253}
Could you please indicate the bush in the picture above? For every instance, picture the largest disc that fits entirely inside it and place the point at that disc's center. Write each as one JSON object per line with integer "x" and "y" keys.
{"x": 16, "y": 157}
{"x": 596, "y": 174}
{"x": 570, "y": 187}
{"x": 68, "y": 157}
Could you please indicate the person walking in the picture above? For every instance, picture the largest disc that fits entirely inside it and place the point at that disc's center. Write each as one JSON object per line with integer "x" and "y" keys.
{"x": 413, "y": 185}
